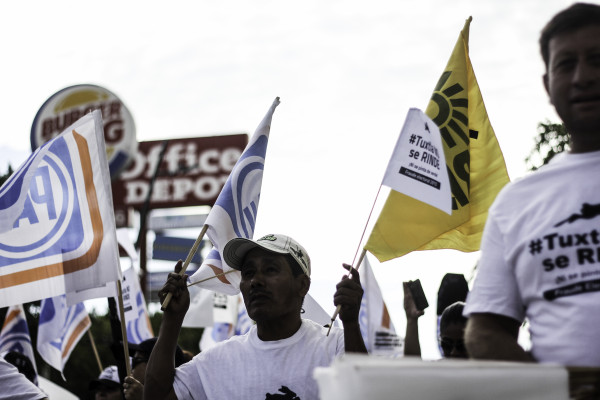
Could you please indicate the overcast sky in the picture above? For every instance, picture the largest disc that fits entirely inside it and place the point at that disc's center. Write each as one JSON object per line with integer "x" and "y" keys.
{"x": 346, "y": 71}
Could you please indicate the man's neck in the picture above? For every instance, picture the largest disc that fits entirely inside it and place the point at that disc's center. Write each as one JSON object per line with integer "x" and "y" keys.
{"x": 279, "y": 328}
{"x": 585, "y": 143}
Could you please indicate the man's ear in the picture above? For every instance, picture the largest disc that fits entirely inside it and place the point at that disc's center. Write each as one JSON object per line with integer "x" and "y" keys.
{"x": 304, "y": 284}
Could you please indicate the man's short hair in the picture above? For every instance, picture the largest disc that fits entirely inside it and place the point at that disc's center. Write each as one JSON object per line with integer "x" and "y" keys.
{"x": 453, "y": 314}
{"x": 577, "y": 16}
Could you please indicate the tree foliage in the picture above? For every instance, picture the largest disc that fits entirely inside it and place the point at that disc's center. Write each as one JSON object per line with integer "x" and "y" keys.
{"x": 4, "y": 177}
{"x": 551, "y": 139}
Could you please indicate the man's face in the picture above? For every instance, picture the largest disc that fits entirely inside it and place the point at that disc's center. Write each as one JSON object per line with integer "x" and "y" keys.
{"x": 452, "y": 341}
{"x": 104, "y": 393}
{"x": 573, "y": 80}
{"x": 269, "y": 288}
{"x": 138, "y": 368}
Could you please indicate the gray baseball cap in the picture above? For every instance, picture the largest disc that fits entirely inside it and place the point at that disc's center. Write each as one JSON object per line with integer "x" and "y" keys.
{"x": 236, "y": 249}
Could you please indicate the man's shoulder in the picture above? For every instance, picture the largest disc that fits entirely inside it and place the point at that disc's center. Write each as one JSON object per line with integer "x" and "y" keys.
{"x": 314, "y": 327}
{"x": 564, "y": 167}
{"x": 318, "y": 332}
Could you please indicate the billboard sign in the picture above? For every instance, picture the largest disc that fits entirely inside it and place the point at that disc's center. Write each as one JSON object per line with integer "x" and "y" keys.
{"x": 66, "y": 106}
{"x": 192, "y": 172}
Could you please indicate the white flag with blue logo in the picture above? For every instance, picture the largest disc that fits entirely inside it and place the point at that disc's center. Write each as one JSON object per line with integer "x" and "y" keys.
{"x": 376, "y": 326}
{"x": 234, "y": 212}
{"x": 60, "y": 329}
{"x": 57, "y": 232}
{"x": 15, "y": 334}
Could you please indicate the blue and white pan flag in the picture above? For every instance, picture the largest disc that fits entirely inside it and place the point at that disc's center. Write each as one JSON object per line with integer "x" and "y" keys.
{"x": 376, "y": 326}
{"x": 60, "y": 329}
{"x": 136, "y": 313}
{"x": 234, "y": 213}
{"x": 15, "y": 334}
{"x": 56, "y": 220}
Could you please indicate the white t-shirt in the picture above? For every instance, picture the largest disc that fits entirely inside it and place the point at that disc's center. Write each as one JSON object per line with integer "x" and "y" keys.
{"x": 15, "y": 386}
{"x": 541, "y": 259}
{"x": 245, "y": 367}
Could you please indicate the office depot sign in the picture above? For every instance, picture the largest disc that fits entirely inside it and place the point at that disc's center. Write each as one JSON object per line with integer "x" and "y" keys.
{"x": 192, "y": 172}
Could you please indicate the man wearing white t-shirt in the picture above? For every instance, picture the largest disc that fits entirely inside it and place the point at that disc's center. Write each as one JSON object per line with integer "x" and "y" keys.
{"x": 540, "y": 255}
{"x": 276, "y": 358}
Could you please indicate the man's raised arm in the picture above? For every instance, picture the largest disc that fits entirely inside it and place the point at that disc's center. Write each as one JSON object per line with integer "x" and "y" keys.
{"x": 160, "y": 370}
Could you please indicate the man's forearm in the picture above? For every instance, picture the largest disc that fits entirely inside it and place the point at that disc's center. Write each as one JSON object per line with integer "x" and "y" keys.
{"x": 353, "y": 340}
{"x": 496, "y": 347}
{"x": 160, "y": 370}
{"x": 494, "y": 337}
{"x": 412, "y": 346}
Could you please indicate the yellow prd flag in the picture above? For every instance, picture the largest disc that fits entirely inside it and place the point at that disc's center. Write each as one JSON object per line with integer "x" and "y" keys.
{"x": 475, "y": 166}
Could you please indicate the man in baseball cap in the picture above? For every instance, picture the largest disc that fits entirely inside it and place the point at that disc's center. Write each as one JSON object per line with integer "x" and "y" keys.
{"x": 107, "y": 386}
{"x": 278, "y": 355}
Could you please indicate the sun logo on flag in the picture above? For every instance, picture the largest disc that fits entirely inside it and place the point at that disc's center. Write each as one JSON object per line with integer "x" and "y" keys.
{"x": 449, "y": 100}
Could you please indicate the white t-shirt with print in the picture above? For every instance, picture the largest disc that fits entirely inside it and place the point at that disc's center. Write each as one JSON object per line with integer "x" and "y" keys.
{"x": 245, "y": 367}
{"x": 540, "y": 259}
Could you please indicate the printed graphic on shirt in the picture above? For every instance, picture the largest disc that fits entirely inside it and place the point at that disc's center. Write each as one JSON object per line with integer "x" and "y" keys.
{"x": 572, "y": 258}
{"x": 285, "y": 394}
{"x": 588, "y": 211}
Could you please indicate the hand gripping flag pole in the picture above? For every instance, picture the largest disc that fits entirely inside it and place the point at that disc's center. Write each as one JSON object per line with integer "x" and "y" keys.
{"x": 187, "y": 261}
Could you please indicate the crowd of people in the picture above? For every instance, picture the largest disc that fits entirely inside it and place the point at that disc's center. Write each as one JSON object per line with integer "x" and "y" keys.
{"x": 540, "y": 261}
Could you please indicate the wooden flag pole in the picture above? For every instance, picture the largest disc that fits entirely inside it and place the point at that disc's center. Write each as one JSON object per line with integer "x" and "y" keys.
{"x": 187, "y": 261}
{"x": 210, "y": 277}
{"x": 94, "y": 349}
{"x": 338, "y": 308}
{"x": 123, "y": 327}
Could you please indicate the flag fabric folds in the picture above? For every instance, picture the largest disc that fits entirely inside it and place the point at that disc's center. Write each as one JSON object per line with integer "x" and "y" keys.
{"x": 200, "y": 312}
{"x": 56, "y": 219}
{"x": 234, "y": 213}
{"x": 60, "y": 329}
{"x": 475, "y": 165}
{"x": 15, "y": 334}
{"x": 376, "y": 326}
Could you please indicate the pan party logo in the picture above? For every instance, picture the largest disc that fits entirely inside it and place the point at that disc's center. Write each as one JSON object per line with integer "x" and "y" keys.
{"x": 60, "y": 229}
{"x": 51, "y": 209}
